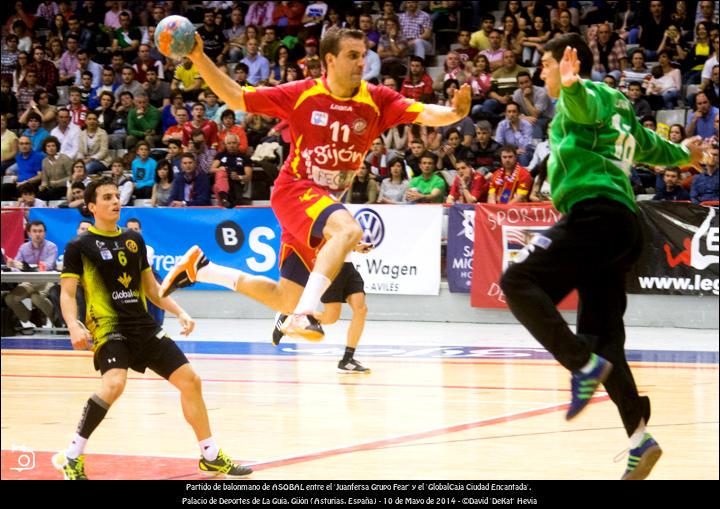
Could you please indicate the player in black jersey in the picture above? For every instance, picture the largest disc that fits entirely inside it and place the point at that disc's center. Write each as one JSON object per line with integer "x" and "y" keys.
{"x": 111, "y": 265}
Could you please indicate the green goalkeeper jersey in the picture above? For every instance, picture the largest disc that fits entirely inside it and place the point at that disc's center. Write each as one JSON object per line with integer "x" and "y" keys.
{"x": 594, "y": 139}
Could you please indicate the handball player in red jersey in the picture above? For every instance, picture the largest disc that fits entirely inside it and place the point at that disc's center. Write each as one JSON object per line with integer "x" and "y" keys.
{"x": 333, "y": 121}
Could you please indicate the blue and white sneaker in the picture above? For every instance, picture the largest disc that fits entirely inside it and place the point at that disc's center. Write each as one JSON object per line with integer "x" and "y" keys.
{"x": 642, "y": 459}
{"x": 585, "y": 385}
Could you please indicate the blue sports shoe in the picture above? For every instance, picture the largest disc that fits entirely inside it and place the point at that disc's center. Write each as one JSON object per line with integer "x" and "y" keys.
{"x": 585, "y": 385}
{"x": 642, "y": 459}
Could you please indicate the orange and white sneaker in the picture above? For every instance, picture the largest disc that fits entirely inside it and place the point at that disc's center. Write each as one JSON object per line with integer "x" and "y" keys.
{"x": 185, "y": 271}
{"x": 304, "y": 326}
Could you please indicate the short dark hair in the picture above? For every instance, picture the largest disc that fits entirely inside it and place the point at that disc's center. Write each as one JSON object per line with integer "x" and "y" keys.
{"x": 77, "y": 185}
{"x": 557, "y": 47}
{"x": 174, "y": 141}
{"x": 26, "y": 189}
{"x": 635, "y": 84}
{"x": 166, "y": 165}
{"x": 188, "y": 155}
{"x": 508, "y": 148}
{"x": 647, "y": 118}
{"x": 674, "y": 169}
{"x": 34, "y": 116}
{"x": 35, "y": 223}
{"x": 242, "y": 66}
{"x": 330, "y": 43}
{"x": 428, "y": 155}
{"x": 227, "y": 113}
{"x": 91, "y": 189}
{"x": 133, "y": 220}
{"x": 523, "y": 73}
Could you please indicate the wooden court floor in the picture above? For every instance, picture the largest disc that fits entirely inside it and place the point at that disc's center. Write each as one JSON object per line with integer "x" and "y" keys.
{"x": 295, "y": 418}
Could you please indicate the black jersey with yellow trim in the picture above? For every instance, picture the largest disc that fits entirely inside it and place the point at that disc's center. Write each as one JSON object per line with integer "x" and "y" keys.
{"x": 109, "y": 266}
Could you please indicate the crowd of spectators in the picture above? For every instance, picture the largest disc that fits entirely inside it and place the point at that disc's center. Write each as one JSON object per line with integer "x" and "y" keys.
{"x": 85, "y": 92}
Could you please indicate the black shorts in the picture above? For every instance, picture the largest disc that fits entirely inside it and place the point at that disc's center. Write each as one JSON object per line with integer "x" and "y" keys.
{"x": 146, "y": 348}
{"x": 348, "y": 282}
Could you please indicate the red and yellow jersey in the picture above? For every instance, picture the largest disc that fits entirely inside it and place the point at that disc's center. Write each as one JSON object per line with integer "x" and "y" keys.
{"x": 330, "y": 135}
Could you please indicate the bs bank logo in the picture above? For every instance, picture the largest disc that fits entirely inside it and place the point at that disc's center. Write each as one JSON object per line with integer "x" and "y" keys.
{"x": 372, "y": 226}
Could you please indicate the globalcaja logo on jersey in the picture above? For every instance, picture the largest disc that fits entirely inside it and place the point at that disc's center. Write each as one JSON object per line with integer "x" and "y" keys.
{"x": 125, "y": 280}
{"x": 372, "y": 226}
{"x": 126, "y": 296}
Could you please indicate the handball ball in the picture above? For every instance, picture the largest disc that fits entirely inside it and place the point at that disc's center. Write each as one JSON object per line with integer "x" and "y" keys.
{"x": 175, "y": 36}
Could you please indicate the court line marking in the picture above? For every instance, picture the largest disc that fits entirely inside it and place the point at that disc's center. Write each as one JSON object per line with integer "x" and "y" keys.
{"x": 308, "y": 383}
{"x": 384, "y": 360}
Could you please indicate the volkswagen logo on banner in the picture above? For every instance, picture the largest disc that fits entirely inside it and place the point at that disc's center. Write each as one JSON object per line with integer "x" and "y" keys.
{"x": 372, "y": 226}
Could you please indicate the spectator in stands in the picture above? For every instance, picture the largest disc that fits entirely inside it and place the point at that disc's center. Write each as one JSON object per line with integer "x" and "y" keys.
{"x": 214, "y": 41}
{"x": 673, "y": 42}
{"x": 468, "y": 186}
{"x": 9, "y": 57}
{"x": 9, "y": 144}
{"x": 84, "y": 36}
{"x": 495, "y": 52}
{"x": 480, "y": 40}
{"x": 174, "y": 151}
{"x": 311, "y": 54}
{"x": 258, "y": 65}
{"x": 653, "y": 29}
{"x": 176, "y": 131}
{"x": 365, "y": 22}
{"x": 534, "y": 103}
{"x": 27, "y": 90}
{"x": 541, "y": 185}
{"x": 144, "y": 123}
{"x": 635, "y": 95}
{"x": 204, "y": 155}
{"x": 260, "y": 14}
{"x": 163, "y": 185}
{"x": 228, "y": 126}
{"x": 158, "y": 91}
{"x": 233, "y": 174}
{"x": 67, "y": 134}
{"x": 79, "y": 175}
{"x": 565, "y": 23}
{"x": 78, "y": 111}
{"x": 701, "y": 121}
{"x": 69, "y": 61}
{"x": 712, "y": 89}
{"x": 393, "y": 49}
{"x": 27, "y": 169}
{"x": 332, "y": 19}
{"x": 379, "y": 157}
{"x": 463, "y": 48}
{"x": 93, "y": 148}
{"x": 128, "y": 84}
{"x": 168, "y": 112}
{"x": 288, "y": 15}
{"x": 46, "y": 72}
{"x": 117, "y": 63}
{"x": 106, "y": 114}
{"x": 123, "y": 181}
{"x": 637, "y": 72}
{"x": 191, "y": 188}
{"x": 672, "y": 190}
{"x": 107, "y": 84}
{"x": 417, "y": 85}
{"x": 126, "y": 38}
{"x": 504, "y": 84}
{"x": 707, "y": 14}
{"x": 666, "y": 82}
{"x": 416, "y": 26}
{"x": 413, "y": 155}
{"x": 512, "y": 36}
{"x": 40, "y": 253}
{"x": 511, "y": 183}
{"x": 144, "y": 63}
{"x": 480, "y": 82}
{"x": 449, "y": 153}
{"x": 428, "y": 186}
{"x": 314, "y": 69}
{"x": 710, "y": 64}
{"x": 698, "y": 54}
{"x": 373, "y": 65}
{"x": 75, "y": 196}
{"x": 484, "y": 148}
{"x": 649, "y": 122}
{"x": 35, "y": 131}
{"x": 393, "y": 188}
{"x": 609, "y": 52}
{"x": 187, "y": 80}
{"x": 610, "y": 81}
{"x": 199, "y": 121}
{"x": 85, "y": 87}
{"x": 269, "y": 44}
{"x": 282, "y": 58}
{"x": 235, "y": 35}
{"x": 517, "y": 132}
{"x": 28, "y": 198}
{"x": 143, "y": 171}
{"x": 537, "y": 35}
{"x": 706, "y": 186}
{"x": 364, "y": 188}
{"x": 56, "y": 170}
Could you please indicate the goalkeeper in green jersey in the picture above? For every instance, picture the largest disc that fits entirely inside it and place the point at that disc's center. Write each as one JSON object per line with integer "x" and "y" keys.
{"x": 594, "y": 138}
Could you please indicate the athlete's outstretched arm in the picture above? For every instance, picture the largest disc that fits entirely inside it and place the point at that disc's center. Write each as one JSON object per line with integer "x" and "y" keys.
{"x": 152, "y": 290}
{"x": 435, "y": 115}
{"x": 220, "y": 83}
